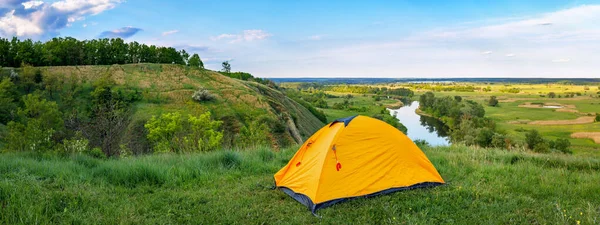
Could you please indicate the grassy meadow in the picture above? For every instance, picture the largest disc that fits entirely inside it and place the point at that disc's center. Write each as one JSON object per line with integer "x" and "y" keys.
{"x": 484, "y": 186}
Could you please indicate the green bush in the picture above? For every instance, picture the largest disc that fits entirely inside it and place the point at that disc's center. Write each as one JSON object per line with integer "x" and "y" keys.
{"x": 171, "y": 133}
{"x": 252, "y": 135}
{"x": 38, "y": 123}
{"x": 542, "y": 147}
{"x": 493, "y": 101}
{"x": 484, "y": 137}
{"x": 499, "y": 141}
{"x": 563, "y": 145}
{"x": 8, "y": 104}
{"x": 96, "y": 153}
{"x": 533, "y": 138}
{"x": 77, "y": 144}
{"x": 203, "y": 95}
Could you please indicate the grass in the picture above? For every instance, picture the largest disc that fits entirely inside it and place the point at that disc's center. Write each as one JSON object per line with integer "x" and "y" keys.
{"x": 168, "y": 88}
{"x": 225, "y": 187}
{"x": 359, "y": 101}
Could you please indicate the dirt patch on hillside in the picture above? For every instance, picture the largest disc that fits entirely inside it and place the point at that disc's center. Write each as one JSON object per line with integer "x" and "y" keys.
{"x": 580, "y": 120}
{"x": 567, "y": 110}
{"x": 519, "y": 122}
{"x": 395, "y": 105}
{"x": 507, "y": 100}
{"x": 592, "y": 135}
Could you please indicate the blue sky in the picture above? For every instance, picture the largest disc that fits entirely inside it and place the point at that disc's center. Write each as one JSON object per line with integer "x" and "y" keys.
{"x": 339, "y": 38}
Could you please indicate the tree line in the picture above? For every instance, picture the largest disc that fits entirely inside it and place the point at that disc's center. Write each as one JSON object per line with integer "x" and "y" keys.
{"x": 69, "y": 51}
{"x": 468, "y": 125}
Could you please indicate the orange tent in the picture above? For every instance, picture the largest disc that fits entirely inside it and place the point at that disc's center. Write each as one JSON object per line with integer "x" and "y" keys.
{"x": 352, "y": 157}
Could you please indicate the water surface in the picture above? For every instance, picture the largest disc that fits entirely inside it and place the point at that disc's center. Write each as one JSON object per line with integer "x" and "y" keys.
{"x": 430, "y": 129}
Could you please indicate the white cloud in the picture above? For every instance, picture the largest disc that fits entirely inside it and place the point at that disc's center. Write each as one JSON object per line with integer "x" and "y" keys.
{"x": 14, "y": 25}
{"x": 37, "y": 18}
{"x": 486, "y": 52}
{"x": 246, "y": 35}
{"x": 510, "y": 55}
{"x": 166, "y": 33}
{"x": 32, "y": 4}
{"x": 561, "y": 60}
{"x": 571, "y": 24}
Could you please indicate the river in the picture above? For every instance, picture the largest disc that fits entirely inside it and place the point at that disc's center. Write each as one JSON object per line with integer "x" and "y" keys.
{"x": 430, "y": 129}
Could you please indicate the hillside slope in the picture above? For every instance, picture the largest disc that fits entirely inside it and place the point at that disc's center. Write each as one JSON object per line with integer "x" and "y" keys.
{"x": 484, "y": 186}
{"x": 168, "y": 88}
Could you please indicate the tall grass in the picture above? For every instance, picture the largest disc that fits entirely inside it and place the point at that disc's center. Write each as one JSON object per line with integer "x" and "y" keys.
{"x": 484, "y": 187}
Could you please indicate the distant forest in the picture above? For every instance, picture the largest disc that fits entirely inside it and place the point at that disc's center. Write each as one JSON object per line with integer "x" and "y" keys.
{"x": 71, "y": 52}
{"x": 342, "y": 80}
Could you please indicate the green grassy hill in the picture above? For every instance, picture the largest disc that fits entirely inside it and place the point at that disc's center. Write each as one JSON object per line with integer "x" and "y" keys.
{"x": 168, "y": 88}
{"x": 485, "y": 186}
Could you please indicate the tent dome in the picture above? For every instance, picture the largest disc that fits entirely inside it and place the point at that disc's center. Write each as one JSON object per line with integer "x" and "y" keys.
{"x": 353, "y": 157}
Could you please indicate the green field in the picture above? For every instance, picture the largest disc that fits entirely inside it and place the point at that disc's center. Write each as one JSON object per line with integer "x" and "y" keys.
{"x": 483, "y": 187}
{"x": 367, "y": 101}
{"x": 507, "y": 112}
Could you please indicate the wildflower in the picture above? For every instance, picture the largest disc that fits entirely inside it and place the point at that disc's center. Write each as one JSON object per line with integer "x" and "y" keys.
{"x": 578, "y": 222}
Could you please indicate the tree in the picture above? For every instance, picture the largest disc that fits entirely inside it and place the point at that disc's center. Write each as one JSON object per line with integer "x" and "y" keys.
{"x": 110, "y": 116}
{"x": 533, "y": 138}
{"x": 551, "y": 95}
{"x": 8, "y": 103}
{"x": 226, "y": 67}
{"x": 493, "y": 101}
{"x": 195, "y": 61}
{"x": 597, "y": 117}
{"x": 426, "y": 100}
{"x": 39, "y": 122}
{"x": 185, "y": 56}
{"x": 484, "y": 137}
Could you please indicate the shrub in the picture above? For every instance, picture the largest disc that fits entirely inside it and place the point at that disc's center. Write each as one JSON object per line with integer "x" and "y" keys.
{"x": 8, "y": 105}
{"x": 562, "y": 144}
{"x": 499, "y": 141}
{"x": 533, "y": 138}
{"x": 597, "y": 117}
{"x": 484, "y": 137}
{"x": 171, "y": 133}
{"x": 203, "y": 95}
{"x": 551, "y": 95}
{"x": 542, "y": 147}
{"x": 77, "y": 144}
{"x": 39, "y": 121}
{"x": 252, "y": 135}
{"x": 204, "y": 134}
{"x": 96, "y": 153}
{"x": 493, "y": 101}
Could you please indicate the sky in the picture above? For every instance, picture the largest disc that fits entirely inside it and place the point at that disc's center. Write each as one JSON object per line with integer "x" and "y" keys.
{"x": 339, "y": 38}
